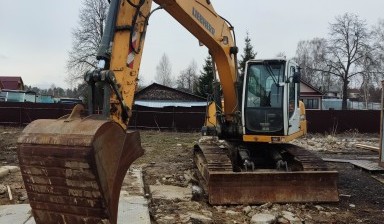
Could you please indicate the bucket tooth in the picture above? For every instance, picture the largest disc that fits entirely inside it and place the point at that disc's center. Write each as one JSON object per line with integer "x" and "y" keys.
{"x": 73, "y": 169}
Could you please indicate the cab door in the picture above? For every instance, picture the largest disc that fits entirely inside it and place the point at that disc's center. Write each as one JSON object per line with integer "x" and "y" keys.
{"x": 293, "y": 95}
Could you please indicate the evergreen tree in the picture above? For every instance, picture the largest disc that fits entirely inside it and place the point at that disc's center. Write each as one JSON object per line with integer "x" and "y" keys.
{"x": 205, "y": 82}
{"x": 248, "y": 53}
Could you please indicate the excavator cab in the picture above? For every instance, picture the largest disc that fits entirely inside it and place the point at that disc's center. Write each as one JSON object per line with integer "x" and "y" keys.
{"x": 271, "y": 100}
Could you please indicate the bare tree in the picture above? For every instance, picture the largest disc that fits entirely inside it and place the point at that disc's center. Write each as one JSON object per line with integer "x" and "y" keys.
{"x": 348, "y": 45}
{"x": 141, "y": 83}
{"x": 164, "y": 71}
{"x": 378, "y": 53}
{"x": 305, "y": 60}
{"x": 310, "y": 55}
{"x": 86, "y": 39}
{"x": 366, "y": 78}
{"x": 188, "y": 78}
{"x": 373, "y": 65}
{"x": 281, "y": 55}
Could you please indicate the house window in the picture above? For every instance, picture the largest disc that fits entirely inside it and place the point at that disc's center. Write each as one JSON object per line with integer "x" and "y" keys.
{"x": 311, "y": 103}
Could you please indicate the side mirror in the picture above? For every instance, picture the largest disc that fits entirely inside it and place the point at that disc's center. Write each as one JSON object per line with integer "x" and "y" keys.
{"x": 296, "y": 77}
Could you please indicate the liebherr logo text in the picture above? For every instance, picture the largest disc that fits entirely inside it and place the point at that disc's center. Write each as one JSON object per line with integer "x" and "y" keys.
{"x": 203, "y": 21}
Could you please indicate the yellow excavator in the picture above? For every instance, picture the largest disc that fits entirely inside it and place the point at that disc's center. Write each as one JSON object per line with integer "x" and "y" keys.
{"x": 73, "y": 167}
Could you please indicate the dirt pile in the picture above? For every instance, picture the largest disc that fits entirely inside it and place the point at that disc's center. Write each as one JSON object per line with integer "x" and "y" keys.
{"x": 336, "y": 143}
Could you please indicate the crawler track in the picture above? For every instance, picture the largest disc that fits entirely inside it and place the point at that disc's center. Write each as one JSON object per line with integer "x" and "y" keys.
{"x": 307, "y": 159}
{"x": 313, "y": 184}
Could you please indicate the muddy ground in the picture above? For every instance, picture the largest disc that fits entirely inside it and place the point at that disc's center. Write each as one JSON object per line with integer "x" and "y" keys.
{"x": 168, "y": 161}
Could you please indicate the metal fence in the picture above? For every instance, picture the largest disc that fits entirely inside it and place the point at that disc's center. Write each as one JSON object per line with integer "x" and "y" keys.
{"x": 337, "y": 121}
{"x": 192, "y": 118}
{"x": 16, "y": 113}
{"x": 168, "y": 118}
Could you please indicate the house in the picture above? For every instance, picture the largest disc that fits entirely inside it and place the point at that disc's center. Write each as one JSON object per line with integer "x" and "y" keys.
{"x": 333, "y": 92}
{"x": 7, "y": 95}
{"x": 161, "y": 107}
{"x": 12, "y": 82}
{"x": 354, "y": 94}
{"x": 311, "y": 96}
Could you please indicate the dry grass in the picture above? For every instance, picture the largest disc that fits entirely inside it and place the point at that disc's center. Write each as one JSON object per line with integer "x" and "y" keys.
{"x": 165, "y": 146}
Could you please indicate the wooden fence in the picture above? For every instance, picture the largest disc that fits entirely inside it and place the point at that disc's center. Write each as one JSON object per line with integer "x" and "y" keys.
{"x": 191, "y": 119}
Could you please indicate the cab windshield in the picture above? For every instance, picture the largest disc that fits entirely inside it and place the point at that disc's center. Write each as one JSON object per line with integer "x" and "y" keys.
{"x": 264, "y": 97}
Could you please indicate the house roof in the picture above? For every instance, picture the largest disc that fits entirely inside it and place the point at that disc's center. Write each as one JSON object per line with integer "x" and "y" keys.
{"x": 162, "y": 104}
{"x": 308, "y": 89}
{"x": 12, "y": 82}
{"x": 353, "y": 91}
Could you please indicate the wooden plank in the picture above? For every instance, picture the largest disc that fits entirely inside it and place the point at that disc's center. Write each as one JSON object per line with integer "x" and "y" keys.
{"x": 369, "y": 147}
{"x": 338, "y": 160}
{"x": 367, "y": 165}
{"x": 379, "y": 178}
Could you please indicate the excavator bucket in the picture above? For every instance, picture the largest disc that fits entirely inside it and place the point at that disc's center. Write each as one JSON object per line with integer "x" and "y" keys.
{"x": 73, "y": 167}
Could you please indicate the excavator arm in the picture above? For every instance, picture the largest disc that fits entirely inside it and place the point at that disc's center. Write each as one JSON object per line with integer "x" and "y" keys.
{"x": 122, "y": 46}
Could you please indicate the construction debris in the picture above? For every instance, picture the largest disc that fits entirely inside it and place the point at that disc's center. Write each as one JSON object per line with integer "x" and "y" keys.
{"x": 9, "y": 193}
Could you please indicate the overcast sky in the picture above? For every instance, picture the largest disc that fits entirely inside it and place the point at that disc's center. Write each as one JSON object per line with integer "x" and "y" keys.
{"x": 35, "y": 36}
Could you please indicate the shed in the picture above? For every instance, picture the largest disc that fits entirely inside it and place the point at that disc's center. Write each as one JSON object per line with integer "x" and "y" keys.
{"x": 311, "y": 96}
{"x": 159, "y": 96}
{"x": 161, "y": 107}
{"x": 12, "y": 82}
